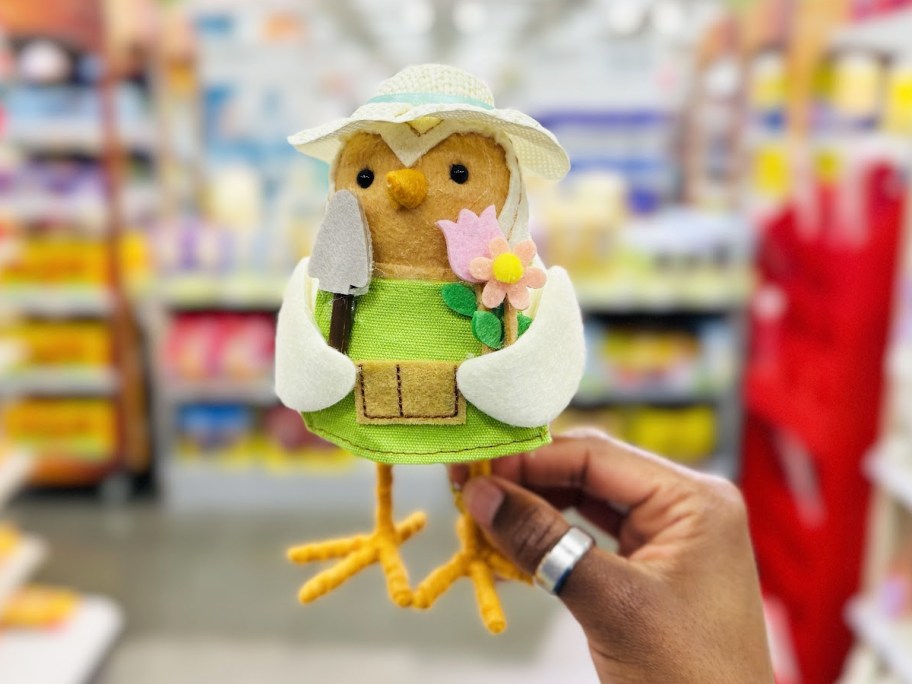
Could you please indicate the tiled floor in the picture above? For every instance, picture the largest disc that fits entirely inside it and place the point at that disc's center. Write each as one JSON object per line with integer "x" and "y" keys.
{"x": 209, "y": 597}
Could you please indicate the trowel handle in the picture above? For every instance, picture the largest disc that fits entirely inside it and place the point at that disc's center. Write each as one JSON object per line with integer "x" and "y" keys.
{"x": 340, "y": 321}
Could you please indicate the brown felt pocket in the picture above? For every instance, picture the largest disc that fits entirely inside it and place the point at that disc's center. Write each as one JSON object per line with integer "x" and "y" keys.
{"x": 408, "y": 392}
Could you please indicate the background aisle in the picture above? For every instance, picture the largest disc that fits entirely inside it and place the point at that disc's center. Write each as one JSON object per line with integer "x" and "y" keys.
{"x": 733, "y": 225}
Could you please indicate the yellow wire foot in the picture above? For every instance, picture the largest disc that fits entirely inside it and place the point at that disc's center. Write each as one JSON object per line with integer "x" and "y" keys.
{"x": 356, "y": 553}
{"x": 481, "y": 563}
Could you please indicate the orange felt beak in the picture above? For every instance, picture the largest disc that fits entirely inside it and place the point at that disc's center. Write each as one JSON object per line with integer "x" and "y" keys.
{"x": 407, "y": 187}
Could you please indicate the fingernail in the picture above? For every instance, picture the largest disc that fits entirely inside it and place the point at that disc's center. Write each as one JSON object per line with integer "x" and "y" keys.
{"x": 482, "y": 498}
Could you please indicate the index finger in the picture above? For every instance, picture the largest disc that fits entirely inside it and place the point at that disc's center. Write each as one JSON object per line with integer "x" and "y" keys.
{"x": 600, "y": 466}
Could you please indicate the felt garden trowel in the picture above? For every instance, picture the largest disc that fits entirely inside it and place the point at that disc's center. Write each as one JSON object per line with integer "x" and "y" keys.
{"x": 342, "y": 262}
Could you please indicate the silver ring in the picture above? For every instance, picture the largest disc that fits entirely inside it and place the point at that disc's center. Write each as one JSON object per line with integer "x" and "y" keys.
{"x": 558, "y": 563}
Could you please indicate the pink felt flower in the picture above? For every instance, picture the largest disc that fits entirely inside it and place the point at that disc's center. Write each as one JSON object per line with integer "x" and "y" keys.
{"x": 468, "y": 237}
{"x": 507, "y": 274}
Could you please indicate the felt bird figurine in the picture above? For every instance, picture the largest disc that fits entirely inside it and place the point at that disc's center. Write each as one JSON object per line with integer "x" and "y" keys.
{"x": 452, "y": 343}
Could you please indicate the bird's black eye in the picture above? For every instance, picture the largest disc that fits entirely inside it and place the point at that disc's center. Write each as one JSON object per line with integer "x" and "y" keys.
{"x": 459, "y": 173}
{"x": 365, "y": 178}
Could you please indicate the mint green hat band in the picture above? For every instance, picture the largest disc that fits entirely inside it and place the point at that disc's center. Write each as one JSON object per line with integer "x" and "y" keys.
{"x": 429, "y": 98}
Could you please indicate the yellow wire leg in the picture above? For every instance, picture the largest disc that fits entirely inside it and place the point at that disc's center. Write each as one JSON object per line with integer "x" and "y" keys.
{"x": 492, "y": 613}
{"x": 476, "y": 560}
{"x": 358, "y": 552}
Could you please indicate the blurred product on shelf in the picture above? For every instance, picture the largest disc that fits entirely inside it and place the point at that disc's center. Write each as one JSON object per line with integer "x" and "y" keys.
{"x": 9, "y": 540}
{"x": 39, "y": 607}
{"x": 894, "y": 595}
{"x": 57, "y": 262}
{"x": 236, "y": 435}
{"x": 59, "y": 345}
{"x": 628, "y": 360}
{"x": 685, "y": 434}
{"x": 677, "y": 258}
{"x": 80, "y": 429}
{"x": 47, "y": 116}
{"x": 255, "y": 187}
{"x": 665, "y": 292}
{"x": 633, "y": 144}
{"x": 229, "y": 346}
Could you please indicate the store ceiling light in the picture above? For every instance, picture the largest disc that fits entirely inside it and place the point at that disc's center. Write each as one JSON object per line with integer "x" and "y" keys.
{"x": 469, "y": 16}
{"x": 668, "y": 17}
{"x": 625, "y": 17}
{"x": 418, "y": 16}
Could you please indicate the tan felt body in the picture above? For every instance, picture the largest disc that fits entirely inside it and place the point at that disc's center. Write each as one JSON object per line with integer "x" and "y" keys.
{"x": 408, "y": 392}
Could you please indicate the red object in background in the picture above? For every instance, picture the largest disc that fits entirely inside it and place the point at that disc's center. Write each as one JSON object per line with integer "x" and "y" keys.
{"x": 822, "y": 393}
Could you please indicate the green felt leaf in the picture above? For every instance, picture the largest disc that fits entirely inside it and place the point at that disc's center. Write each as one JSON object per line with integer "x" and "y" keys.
{"x": 488, "y": 328}
{"x": 460, "y": 298}
{"x": 522, "y": 323}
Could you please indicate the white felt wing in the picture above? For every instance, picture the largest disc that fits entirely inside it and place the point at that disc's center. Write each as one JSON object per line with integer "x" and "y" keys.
{"x": 309, "y": 374}
{"x": 530, "y": 382}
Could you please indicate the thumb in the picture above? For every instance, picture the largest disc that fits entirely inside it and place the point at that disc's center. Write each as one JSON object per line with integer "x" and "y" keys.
{"x": 525, "y": 527}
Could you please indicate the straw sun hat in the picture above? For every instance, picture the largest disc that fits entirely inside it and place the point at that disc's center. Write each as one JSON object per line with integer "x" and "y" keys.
{"x": 431, "y": 92}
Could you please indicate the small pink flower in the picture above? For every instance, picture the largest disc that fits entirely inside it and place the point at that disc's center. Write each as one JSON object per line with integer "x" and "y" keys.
{"x": 507, "y": 274}
{"x": 468, "y": 237}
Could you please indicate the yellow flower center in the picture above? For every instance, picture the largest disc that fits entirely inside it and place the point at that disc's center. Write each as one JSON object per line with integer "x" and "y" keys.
{"x": 507, "y": 268}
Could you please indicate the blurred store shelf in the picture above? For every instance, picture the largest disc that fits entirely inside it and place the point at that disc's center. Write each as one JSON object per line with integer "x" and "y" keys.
{"x": 889, "y": 638}
{"x": 657, "y": 396}
{"x": 201, "y": 485}
{"x": 17, "y": 569}
{"x": 723, "y": 465}
{"x": 260, "y": 391}
{"x": 891, "y": 469}
{"x": 77, "y": 208}
{"x": 66, "y": 654}
{"x": 596, "y": 297}
{"x": 14, "y": 471}
{"x": 87, "y": 137}
{"x": 57, "y": 301}
{"x": 235, "y": 291}
{"x": 53, "y": 382}
{"x": 890, "y": 32}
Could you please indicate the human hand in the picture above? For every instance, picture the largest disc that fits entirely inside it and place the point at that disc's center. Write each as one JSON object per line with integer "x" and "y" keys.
{"x": 679, "y": 602}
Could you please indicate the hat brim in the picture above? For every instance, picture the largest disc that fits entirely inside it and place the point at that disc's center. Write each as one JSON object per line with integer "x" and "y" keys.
{"x": 536, "y": 148}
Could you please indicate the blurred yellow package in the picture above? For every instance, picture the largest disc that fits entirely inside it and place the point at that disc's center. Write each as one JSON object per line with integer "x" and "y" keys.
{"x": 9, "y": 540}
{"x": 54, "y": 343}
{"x": 36, "y": 607}
{"x": 81, "y": 428}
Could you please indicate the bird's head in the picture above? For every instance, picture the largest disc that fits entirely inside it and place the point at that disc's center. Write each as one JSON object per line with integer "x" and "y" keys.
{"x": 428, "y": 144}
{"x": 402, "y": 203}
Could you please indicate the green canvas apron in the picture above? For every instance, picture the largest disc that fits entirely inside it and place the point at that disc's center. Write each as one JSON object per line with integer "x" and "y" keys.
{"x": 386, "y": 417}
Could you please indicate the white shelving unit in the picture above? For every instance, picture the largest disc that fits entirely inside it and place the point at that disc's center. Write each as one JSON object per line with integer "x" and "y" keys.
{"x": 14, "y": 470}
{"x": 892, "y": 472}
{"x": 256, "y": 291}
{"x": 30, "y": 551}
{"x": 68, "y": 653}
{"x": 57, "y": 302}
{"x": 258, "y": 392}
{"x": 101, "y": 382}
{"x": 15, "y": 571}
{"x": 887, "y": 33}
{"x": 890, "y": 639}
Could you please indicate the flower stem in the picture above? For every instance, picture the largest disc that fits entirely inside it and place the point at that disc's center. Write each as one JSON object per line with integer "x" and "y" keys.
{"x": 485, "y": 349}
{"x": 511, "y": 323}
